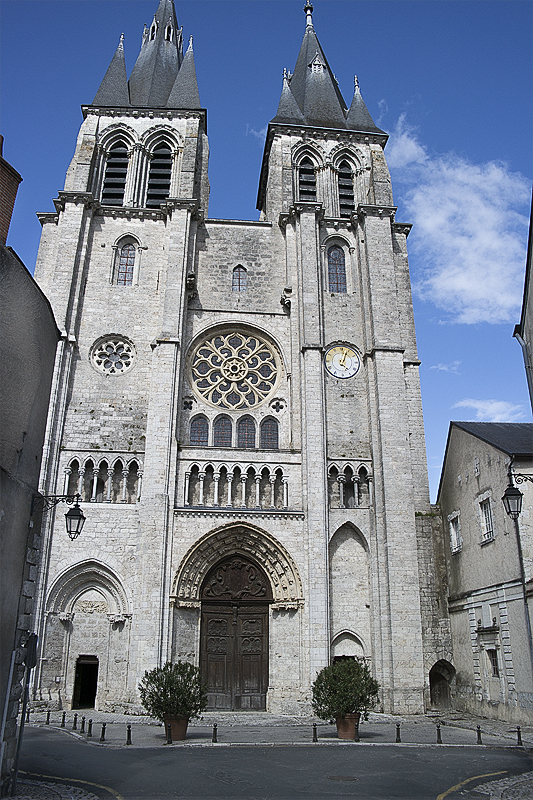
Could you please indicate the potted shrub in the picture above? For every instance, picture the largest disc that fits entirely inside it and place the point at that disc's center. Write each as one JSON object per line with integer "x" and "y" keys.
{"x": 174, "y": 694}
{"x": 344, "y": 691}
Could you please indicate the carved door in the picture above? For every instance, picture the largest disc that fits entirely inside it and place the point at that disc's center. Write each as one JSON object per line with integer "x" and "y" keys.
{"x": 234, "y": 636}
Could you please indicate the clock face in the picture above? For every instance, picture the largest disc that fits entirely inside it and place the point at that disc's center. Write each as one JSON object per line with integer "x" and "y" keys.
{"x": 342, "y": 361}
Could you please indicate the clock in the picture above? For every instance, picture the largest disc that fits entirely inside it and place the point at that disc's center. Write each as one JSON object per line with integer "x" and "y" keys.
{"x": 342, "y": 361}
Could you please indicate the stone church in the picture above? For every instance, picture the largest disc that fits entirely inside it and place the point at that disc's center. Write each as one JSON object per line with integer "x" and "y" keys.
{"x": 236, "y": 402}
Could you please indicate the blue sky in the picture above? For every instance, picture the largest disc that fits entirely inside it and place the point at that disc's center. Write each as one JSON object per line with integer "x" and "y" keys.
{"x": 450, "y": 81}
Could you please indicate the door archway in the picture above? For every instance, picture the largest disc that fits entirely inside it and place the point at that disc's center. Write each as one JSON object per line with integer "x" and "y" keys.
{"x": 235, "y": 597}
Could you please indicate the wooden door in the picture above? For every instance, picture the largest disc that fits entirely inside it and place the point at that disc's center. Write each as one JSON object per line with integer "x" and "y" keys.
{"x": 234, "y": 636}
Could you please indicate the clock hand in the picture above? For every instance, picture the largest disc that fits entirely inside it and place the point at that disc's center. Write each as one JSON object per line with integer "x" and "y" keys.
{"x": 342, "y": 361}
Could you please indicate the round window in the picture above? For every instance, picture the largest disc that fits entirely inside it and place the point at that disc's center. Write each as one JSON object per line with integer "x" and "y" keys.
{"x": 112, "y": 355}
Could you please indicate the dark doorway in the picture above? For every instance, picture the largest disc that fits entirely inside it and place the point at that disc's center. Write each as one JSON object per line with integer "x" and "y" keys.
{"x": 85, "y": 682}
{"x": 440, "y": 676}
{"x": 234, "y": 635}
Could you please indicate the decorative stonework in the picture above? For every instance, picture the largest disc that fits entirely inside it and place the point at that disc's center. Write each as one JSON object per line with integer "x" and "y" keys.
{"x": 112, "y": 355}
{"x": 234, "y": 370}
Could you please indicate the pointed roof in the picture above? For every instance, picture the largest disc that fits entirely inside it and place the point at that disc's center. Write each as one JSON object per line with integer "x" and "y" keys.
{"x": 158, "y": 62}
{"x": 113, "y": 90}
{"x": 312, "y": 95}
{"x": 184, "y": 93}
{"x": 359, "y": 118}
{"x": 513, "y": 438}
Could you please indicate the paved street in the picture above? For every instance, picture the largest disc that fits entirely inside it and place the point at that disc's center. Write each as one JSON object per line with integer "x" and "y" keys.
{"x": 200, "y": 770}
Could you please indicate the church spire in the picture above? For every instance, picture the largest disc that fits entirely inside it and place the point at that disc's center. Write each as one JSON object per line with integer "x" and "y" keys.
{"x": 359, "y": 118}
{"x": 184, "y": 93}
{"x": 113, "y": 90}
{"x": 160, "y": 58}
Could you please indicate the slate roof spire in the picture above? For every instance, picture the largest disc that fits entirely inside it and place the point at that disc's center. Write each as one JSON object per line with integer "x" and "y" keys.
{"x": 113, "y": 90}
{"x": 184, "y": 93}
{"x": 158, "y": 62}
{"x": 314, "y": 91}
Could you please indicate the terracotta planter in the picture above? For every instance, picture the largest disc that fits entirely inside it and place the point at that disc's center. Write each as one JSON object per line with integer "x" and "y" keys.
{"x": 178, "y": 727}
{"x": 348, "y": 726}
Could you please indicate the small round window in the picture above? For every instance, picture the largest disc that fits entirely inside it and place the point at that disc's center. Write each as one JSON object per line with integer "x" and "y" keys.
{"x": 112, "y": 355}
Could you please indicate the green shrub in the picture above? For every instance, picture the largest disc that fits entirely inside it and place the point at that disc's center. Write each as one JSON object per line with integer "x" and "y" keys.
{"x": 174, "y": 690}
{"x": 345, "y": 687}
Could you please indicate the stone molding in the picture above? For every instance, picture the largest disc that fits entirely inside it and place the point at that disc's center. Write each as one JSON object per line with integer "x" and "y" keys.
{"x": 212, "y": 511}
{"x": 81, "y": 577}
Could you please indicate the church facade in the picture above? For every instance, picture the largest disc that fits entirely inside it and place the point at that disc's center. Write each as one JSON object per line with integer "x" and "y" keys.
{"x": 236, "y": 402}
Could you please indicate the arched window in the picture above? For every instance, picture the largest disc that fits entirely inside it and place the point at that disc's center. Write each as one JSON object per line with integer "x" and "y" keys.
{"x": 346, "y": 195}
{"x": 336, "y": 269}
{"x": 168, "y": 33}
{"x": 246, "y": 433}
{"x": 116, "y": 170}
{"x": 199, "y": 435}
{"x": 239, "y": 280}
{"x": 159, "y": 176}
{"x": 125, "y": 265}
{"x": 153, "y": 30}
{"x": 307, "y": 180}
{"x": 269, "y": 434}
{"x": 222, "y": 432}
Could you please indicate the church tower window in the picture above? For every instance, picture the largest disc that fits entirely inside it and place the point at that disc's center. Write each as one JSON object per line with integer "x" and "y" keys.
{"x": 159, "y": 176}
{"x": 125, "y": 266}
{"x": 222, "y": 432}
{"x": 115, "y": 175}
{"x": 168, "y": 33}
{"x": 336, "y": 270}
{"x": 269, "y": 434}
{"x": 307, "y": 180}
{"x": 199, "y": 435}
{"x": 346, "y": 195}
{"x": 246, "y": 433}
{"x": 239, "y": 280}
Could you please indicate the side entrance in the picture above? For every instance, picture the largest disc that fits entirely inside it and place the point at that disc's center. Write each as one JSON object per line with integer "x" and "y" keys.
{"x": 234, "y": 635}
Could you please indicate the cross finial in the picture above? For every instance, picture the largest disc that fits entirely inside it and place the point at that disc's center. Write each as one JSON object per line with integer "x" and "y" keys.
{"x": 190, "y": 43}
{"x": 355, "y": 82}
{"x": 308, "y": 8}
{"x": 121, "y": 39}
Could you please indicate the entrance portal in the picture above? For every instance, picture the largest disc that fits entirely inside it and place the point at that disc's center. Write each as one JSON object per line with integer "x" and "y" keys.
{"x": 440, "y": 676}
{"x": 234, "y": 635}
{"x": 85, "y": 682}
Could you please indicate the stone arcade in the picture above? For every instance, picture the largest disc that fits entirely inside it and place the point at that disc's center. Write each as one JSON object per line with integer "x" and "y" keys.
{"x": 237, "y": 402}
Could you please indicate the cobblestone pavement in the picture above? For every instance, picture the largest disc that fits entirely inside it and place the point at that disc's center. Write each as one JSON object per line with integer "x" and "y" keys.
{"x": 43, "y": 790}
{"x": 262, "y": 728}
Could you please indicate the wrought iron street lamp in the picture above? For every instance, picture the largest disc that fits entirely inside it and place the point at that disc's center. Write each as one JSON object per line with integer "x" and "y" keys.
{"x": 74, "y": 518}
{"x": 512, "y": 501}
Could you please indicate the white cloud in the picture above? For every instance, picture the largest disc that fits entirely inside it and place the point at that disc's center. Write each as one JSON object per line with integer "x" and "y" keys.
{"x": 470, "y": 229}
{"x": 261, "y": 135}
{"x": 452, "y": 367}
{"x": 493, "y": 410}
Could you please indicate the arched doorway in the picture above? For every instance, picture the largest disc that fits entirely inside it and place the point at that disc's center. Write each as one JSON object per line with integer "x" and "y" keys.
{"x": 234, "y": 635}
{"x": 440, "y": 676}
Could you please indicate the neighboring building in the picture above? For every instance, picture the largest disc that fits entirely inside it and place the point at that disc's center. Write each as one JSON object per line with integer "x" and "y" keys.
{"x": 9, "y": 184}
{"x": 523, "y": 332}
{"x": 28, "y": 339}
{"x": 238, "y": 403}
{"x": 488, "y": 601}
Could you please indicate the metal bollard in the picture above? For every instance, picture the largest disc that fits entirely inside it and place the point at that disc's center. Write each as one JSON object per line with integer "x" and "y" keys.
{"x": 48, "y": 718}
{"x": 439, "y": 738}
{"x": 63, "y": 718}
{"x": 75, "y": 723}
{"x": 27, "y": 714}
{"x": 102, "y": 735}
{"x": 479, "y": 735}
{"x": 398, "y": 735}
{"x": 82, "y": 729}
{"x": 90, "y": 729}
{"x": 169, "y": 734}
{"x": 518, "y": 736}
{"x": 128, "y": 735}
{"x": 315, "y": 736}
{"x": 215, "y": 730}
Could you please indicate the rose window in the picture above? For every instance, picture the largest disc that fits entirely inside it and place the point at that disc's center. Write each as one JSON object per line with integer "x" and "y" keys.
{"x": 112, "y": 355}
{"x": 234, "y": 370}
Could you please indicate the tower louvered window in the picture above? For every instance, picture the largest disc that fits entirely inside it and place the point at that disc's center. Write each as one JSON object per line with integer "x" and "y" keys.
{"x": 159, "y": 176}
{"x": 307, "y": 180}
{"x": 336, "y": 270}
{"x": 116, "y": 170}
{"x": 346, "y": 195}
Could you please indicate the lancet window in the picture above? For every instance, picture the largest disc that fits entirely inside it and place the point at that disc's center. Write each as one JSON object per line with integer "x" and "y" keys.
{"x": 222, "y": 432}
{"x": 336, "y": 270}
{"x": 159, "y": 175}
{"x": 199, "y": 436}
{"x": 269, "y": 434}
{"x": 125, "y": 265}
{"x": 246, "y": 433}
{"x": 307, "y": 180}
{"x": 239, "y": 281}
{"x": 346, "y": 193}
{"x": 116, "y": 170}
